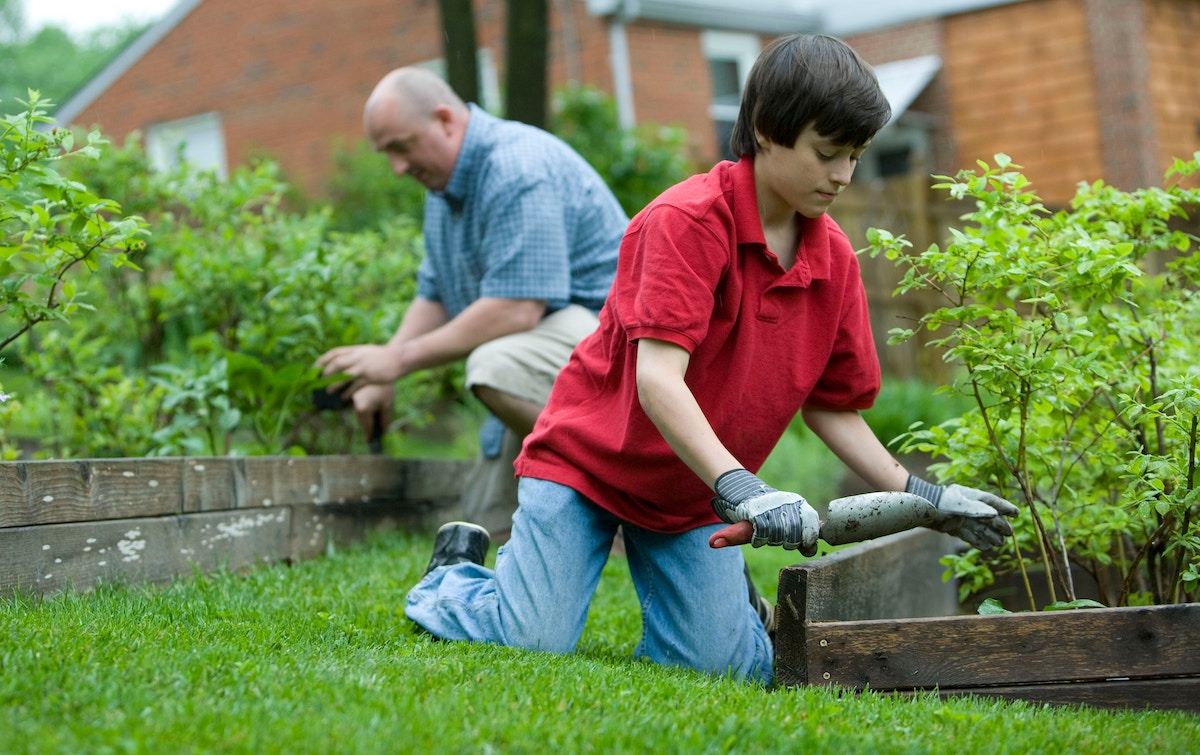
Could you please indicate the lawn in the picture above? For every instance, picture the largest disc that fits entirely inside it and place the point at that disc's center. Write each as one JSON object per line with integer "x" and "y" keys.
{"x": 318, "y": 658}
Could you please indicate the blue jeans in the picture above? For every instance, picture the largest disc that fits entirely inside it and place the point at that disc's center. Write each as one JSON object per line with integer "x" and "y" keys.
{"x": 695, "y": 610}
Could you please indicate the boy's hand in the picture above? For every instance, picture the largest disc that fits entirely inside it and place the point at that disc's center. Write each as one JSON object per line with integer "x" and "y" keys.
{"x": 975, "y": 516}
{"x": 778, "y": 518}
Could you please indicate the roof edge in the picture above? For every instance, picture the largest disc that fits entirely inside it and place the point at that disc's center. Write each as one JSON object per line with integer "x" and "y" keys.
{"x": 762, "y": 16}
{"x": 98, "y": 84}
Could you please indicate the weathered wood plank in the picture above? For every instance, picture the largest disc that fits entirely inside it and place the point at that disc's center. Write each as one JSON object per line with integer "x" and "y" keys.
{"x": 368, "y": 480}
{"x": 278, "y": 481}
{"x": 435, "y": 479}
{"x": 1020, "y": 648}
{"x": 870, "y": 580}
{"x": 50, "y": 492}
{"x": 16, "y": 509}
{"x": 48, "y": 558}
{"x": 77, "y": 522}
{"x": 213, "y": 483}
{"x": 1134, "y": 694}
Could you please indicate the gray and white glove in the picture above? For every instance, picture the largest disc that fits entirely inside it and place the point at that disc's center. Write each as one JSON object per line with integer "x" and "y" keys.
{"x": 973, "y": 515}
{"x": 779, "y": 518}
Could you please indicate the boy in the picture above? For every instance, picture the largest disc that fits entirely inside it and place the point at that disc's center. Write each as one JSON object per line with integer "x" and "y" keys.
{"x": 737, "y": 302}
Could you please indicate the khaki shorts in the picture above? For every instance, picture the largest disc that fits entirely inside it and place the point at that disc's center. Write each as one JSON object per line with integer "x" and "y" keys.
{"x": 525, "y": 364}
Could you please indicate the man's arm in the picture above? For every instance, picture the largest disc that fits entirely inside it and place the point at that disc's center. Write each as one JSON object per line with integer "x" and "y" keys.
{"x": 427, "y": 338}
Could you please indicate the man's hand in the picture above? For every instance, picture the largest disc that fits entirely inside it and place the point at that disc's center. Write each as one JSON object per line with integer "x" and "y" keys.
{"x": 374, "y": 406}
{"x": 973, "y": 515}
{"x": 778, "y": 518}
{"x": 366, "y": 364}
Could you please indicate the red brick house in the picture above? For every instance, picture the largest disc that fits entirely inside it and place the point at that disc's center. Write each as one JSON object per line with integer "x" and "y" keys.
{"x": 1071, "y": 89}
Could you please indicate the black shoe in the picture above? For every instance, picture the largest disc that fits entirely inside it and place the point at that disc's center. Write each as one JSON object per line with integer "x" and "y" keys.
{"x": 766, "y": 611}
{"x": 459, "y": 543}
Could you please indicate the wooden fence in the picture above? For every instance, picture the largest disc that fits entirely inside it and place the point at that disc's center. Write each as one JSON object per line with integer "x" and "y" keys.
{"x": 903, "y": 205}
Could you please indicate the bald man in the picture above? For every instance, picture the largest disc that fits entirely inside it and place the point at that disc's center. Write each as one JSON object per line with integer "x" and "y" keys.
{"x": 521, "y": 239}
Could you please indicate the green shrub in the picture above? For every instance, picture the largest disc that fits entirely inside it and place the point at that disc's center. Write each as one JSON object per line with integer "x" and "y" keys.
{"x": 364, "y": 194}
{"x": 51, "y": 230}
{"x": 637, "y": 164}
{"x": 206, "y": 346}
{"x": 1083, "y": 367}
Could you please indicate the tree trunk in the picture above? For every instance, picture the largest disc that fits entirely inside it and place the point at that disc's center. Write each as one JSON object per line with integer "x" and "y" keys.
{"x": 525, "y": 81}
{"x": 458, "y": 35}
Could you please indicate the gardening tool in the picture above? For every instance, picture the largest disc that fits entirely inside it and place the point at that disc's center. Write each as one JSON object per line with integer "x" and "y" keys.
{"x": 872, "y": 515}
{"x": 323, "y": 400}
{"x": 853, "y": 518}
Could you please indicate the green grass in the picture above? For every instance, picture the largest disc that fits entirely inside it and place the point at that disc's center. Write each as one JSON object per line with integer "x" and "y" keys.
{"x": 318, "y": 658}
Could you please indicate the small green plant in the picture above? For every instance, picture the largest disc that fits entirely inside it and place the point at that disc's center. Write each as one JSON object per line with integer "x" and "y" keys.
{"x": 50, "y": 225}
{"x": 1076, "y": 332}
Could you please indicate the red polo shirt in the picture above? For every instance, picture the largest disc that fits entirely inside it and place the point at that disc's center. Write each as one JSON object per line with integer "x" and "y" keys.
{"x": 694, "y": 270}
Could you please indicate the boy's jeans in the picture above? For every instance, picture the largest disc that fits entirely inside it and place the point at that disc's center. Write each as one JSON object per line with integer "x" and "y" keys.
{"x": 695, "y": 610}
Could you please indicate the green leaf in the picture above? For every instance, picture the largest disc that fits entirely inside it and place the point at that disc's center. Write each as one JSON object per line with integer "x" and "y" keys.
{"x": 992, "y": 607}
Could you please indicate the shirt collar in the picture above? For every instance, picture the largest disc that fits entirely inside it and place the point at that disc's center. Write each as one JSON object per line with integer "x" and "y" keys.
{"x": 813, "y": 252}
{"x": 470, "y": 156}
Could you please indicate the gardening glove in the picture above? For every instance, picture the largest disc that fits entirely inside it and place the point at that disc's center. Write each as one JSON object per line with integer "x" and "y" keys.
{"x": 779, "y": 518}
{"x": 973, "y": 515}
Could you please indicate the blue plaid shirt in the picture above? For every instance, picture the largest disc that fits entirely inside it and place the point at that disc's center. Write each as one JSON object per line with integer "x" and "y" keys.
{"x": 523, "y": 217}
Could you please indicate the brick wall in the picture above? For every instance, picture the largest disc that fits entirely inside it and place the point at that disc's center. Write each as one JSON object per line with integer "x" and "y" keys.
{"x": 1021, "y": 82}
{"x": 914, "y": 40}
{"x": 289, "y": 78}
{"x": 1172, "y": 28}
{"x": 671, "y": 84}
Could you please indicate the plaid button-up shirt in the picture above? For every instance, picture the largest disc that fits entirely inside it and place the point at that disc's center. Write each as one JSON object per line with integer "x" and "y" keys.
{"x": 523, "y": 217}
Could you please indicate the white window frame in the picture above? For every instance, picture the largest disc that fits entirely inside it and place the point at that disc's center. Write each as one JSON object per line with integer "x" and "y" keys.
{"x": 741, "y": 48}
{"x": 202, "y": 138}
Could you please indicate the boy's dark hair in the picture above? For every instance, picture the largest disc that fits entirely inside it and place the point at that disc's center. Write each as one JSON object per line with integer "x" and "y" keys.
{"x": 804, "y": 79}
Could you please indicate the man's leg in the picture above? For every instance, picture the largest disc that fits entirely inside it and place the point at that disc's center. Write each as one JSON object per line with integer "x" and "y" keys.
{"x": 538, "y": 595}
{"x": 694, "y": 607}
{"x": 513, "y": 376}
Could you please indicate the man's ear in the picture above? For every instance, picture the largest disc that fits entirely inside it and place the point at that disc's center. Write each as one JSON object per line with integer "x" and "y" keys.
{"x": 447, "y": 120}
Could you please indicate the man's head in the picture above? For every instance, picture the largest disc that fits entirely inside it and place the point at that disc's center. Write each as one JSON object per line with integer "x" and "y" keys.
{"x": 809, "y": 79}
{"x": 417, "y": 120}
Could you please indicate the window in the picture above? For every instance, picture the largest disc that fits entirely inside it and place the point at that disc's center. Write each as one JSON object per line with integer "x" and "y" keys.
{"x": 198, "y": 141}
{"x": 730, "y": 57}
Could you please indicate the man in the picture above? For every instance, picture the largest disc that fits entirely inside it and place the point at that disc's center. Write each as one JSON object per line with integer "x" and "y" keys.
{"x": 521, "y": 239}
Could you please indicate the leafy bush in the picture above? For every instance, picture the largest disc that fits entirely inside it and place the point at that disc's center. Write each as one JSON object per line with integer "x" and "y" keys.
{"x": 364, "y": 194}
{"x": 637, "y": 164}
{"x": 50, "y": 229}
{"x": 1082, "y": 365}
{"x": 206, "y": 345}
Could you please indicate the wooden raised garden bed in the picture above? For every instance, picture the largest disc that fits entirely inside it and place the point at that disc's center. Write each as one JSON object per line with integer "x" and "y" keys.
{"x": 73, "y": 524}
{"x": 878, "y": 616}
